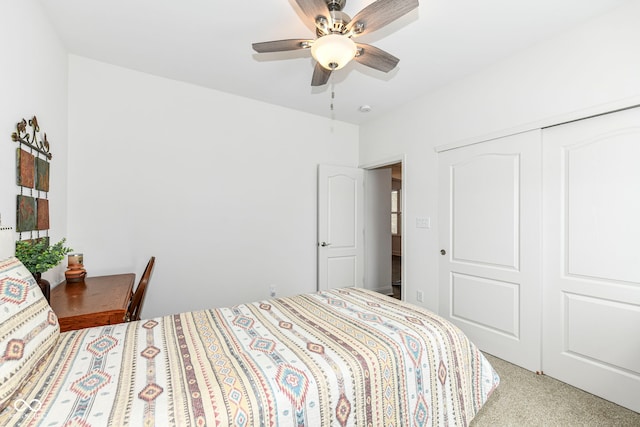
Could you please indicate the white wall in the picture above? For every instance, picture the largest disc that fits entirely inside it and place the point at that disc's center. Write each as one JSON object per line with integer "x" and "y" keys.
{"x": 33, "y": 81}
{"x": 221, "y": 189}
{"x": 594, "y": 64}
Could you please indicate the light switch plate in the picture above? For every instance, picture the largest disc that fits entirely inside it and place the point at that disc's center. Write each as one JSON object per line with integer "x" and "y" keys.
{"x": 423, "y": 222}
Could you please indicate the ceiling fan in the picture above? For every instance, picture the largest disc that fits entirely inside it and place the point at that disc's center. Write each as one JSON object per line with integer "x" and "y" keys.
{"x": 334, "y": 48}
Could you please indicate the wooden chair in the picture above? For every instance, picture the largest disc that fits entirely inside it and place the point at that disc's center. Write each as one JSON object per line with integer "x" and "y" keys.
{"x": 135, "y": 305}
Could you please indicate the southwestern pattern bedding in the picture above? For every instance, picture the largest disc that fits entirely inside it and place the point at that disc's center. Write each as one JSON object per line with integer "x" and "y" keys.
{"x": 332, "y": 358}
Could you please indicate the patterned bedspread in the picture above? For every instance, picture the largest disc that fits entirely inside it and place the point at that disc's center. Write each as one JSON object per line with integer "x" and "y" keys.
{"x": 333, "y": 358}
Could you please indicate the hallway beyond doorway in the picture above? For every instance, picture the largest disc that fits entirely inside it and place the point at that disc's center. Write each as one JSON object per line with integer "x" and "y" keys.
{"x": 396, "y": 276}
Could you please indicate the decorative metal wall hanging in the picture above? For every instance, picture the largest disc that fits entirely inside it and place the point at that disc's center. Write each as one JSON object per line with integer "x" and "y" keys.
{"x": 42, "y": 175}
{"x": 26, "y": 168}
{"x": 26, "y": 218}
{"x": 22, "y": 136}
{"x": 32, "y": 176}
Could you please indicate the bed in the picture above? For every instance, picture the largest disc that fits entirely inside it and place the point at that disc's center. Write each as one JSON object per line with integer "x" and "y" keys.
{"x": 332, "y": 358}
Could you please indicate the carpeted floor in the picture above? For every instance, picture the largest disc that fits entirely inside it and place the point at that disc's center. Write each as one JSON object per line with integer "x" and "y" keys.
{"x": 526, "y": 399}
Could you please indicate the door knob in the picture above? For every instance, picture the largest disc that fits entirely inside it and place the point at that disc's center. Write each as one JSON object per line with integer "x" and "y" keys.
{"x": 443, "y": 252}
{"x": 325, "y": 244}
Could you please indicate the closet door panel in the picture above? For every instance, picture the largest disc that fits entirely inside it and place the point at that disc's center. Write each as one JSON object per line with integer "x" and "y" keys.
{"x": 467, "y": 290}
{"x": 600, "y": 175}
{"x": 591, "y": 192}
{"x": 484, "y": 195}
{"x": 489, "y": 225}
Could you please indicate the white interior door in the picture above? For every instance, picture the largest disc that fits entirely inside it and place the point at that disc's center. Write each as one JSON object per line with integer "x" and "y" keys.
{"x": 592, "y": 255}
{"x": 378, "y": 230}
{"x": 489, "y": 222}
{"x": 340, "y": 227}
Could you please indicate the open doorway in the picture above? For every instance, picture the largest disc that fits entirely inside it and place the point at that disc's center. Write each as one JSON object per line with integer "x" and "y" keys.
{"x": 396, "y": 230}
{"x": 356, "y": 225}
{"x": 395, "y": 199}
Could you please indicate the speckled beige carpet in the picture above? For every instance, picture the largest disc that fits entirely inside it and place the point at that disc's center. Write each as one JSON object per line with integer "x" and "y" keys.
{"x": 526, "y": 399}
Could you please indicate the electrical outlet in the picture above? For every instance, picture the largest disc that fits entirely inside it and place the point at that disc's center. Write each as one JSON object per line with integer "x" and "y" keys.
{"x": 419, "y": 296}
{"x": 272, "y": 290}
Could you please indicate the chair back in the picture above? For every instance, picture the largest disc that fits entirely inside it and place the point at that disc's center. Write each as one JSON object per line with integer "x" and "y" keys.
{"x": 135, "y": 306}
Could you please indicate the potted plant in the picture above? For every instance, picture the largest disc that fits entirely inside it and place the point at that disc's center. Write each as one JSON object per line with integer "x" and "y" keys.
{"x": 39, "y": 256}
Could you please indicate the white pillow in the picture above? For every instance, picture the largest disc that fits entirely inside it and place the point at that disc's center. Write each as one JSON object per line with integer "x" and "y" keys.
{"x": 28, "y": 327}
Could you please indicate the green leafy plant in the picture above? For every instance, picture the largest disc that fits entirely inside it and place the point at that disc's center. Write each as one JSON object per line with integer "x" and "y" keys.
{"x": 39, "y": 256}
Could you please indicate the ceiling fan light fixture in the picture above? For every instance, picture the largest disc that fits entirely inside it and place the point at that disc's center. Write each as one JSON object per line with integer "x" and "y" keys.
{"x": 333, "y": 48}
{"x": 333, "y": 51}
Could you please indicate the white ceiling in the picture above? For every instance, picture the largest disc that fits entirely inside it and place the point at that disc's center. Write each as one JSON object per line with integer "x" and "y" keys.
{"x": 208, "y": 43}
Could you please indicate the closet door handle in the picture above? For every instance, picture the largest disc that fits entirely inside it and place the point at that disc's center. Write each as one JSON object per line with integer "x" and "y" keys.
{"x": 443, "y": 252}
{"x": 325, "y": 244}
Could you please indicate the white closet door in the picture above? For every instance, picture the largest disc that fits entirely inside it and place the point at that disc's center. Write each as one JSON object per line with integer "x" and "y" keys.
{"x": 489, "y": 221}
{"x": 592, "y": 255}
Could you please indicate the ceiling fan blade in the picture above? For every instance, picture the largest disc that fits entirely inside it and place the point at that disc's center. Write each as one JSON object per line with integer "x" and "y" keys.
{"x": 378, "y": 14}
{"x": 320, "y": 75}
{"x": 314, "y": 8}
{"x": 375, "y": 58}
{"x": 281, "y": 45}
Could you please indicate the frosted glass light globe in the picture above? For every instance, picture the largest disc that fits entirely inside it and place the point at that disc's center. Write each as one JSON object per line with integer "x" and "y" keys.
{"x": 333, "y": 51}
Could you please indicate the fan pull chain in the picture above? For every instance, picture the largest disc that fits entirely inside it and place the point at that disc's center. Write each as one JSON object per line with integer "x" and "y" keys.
{"x": 331, "y": 104}
{"x": 333, "y": 95}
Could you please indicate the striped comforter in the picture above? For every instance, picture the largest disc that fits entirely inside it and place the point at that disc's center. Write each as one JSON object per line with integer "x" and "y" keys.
{"x": 333, "y": 358}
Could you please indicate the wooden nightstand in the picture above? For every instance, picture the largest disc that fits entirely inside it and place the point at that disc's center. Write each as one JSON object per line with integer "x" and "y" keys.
{"x": 98, "y": 301}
